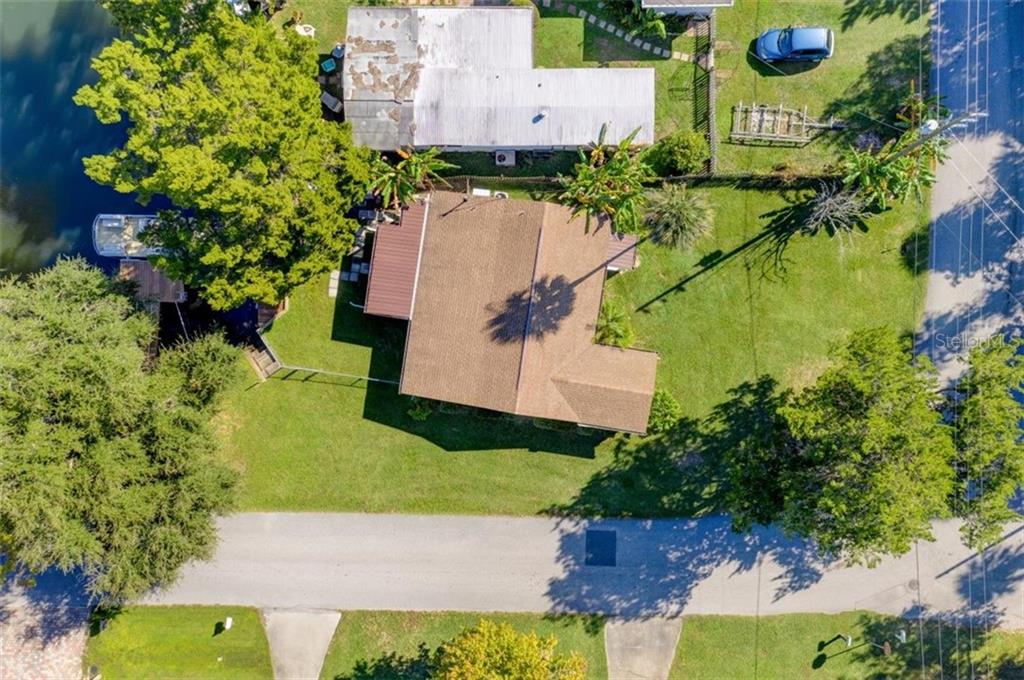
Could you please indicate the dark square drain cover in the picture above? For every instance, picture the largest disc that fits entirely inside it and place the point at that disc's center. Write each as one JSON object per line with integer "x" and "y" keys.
{"x": 600, "y": 548}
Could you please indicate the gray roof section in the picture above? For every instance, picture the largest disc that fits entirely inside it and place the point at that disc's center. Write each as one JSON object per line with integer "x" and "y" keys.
{"x": 387, "y": 50}
{"x": 464, "y": 77}
{"x": 532, "y": 108}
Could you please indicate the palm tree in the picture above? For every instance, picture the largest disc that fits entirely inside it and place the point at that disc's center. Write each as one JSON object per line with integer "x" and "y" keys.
{"x": 678, "y": 217}
{"x": 646, "y": 22}
{"x": 398, "y": 183}
{"x": 613, "y": 327}
{"x": 609, "y": 182}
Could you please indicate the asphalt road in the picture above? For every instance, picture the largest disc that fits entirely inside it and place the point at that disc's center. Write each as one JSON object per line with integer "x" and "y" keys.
{"x": 662, "y": 568}
{"x": 975, "y": 289}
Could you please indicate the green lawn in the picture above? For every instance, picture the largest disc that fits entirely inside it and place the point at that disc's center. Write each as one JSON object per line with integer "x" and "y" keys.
{"x": 870, "y": 72}
{"x": 774, "y": 306}
{"x": 179, "y": 642}
{"x": 329, "y": 17}
{"x": 805, "y": 646}
{"x": 383, "y": 641}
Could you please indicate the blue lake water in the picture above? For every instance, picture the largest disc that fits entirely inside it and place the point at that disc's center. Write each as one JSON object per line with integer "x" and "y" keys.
{"x": 47, "y": 203}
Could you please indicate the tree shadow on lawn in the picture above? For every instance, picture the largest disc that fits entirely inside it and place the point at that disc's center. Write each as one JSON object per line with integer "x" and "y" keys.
{"x": 915, "y": 249}
{"x": 871, "y": 10}
{"x": 392, "y": 666}
{"x": 764, "y": 251}
{"x": 948, "y": 643}
{"x": 869, "y": 105}
{"x": 678, "y": 474}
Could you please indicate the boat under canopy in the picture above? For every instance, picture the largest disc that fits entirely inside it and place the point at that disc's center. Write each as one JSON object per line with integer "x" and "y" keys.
{"x": 119, "y": 235}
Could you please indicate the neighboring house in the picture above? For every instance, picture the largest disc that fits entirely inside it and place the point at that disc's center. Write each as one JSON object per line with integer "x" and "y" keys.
{"x": 502, "y": 298}
{"x": 463, "y": 79}
{"x": 686, "y": 6}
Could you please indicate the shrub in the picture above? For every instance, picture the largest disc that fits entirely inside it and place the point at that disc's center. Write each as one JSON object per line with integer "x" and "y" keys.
{"x": 636, "y": 19}
{"x": 421, "y": 409}
{"x": 497, "y": 650}
{"x": 684, "y": 152}
{"x": 613, "y": 327}
{"x": 677, "y": 217}
{"x": 205, "y": 366}
{"x": 665, "y": 412}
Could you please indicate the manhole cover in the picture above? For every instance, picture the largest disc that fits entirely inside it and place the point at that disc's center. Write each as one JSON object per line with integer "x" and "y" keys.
{"x": 913, "y": 584}
{"x": 600, "y": 548}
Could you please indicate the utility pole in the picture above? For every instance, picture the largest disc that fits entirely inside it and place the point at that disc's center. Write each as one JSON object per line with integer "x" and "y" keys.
{"x": 956, "y": 121}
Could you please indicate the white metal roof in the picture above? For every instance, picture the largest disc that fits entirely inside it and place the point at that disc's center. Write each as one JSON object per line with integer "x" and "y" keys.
{"x": 121, "y": 235}
{"x": 685, "y": 4}
{"x": 527, "y": 108}
{"x": 464, "y": 77}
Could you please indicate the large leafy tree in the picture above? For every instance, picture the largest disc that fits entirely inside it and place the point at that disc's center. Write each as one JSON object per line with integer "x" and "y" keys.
{"x": 863, "y": 462}
{"x": 987, "y": 414}
{"x": 166, "y": 21}
{"x": 492, "y": 650}
{"x": 225, "y": 121}
{"x": 107, "y": 460}
{"x": 609, "y": 181}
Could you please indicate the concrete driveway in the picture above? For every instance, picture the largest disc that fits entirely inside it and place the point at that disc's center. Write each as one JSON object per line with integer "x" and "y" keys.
{"x": 661, "y": 568}
{"x": 974, "y": 286}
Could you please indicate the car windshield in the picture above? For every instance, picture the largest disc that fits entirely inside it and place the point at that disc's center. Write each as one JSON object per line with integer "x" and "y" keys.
{"x": 784, "y": 41}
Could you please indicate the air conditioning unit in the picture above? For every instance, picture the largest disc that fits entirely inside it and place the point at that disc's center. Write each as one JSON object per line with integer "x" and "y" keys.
{"x": 505, "y": 159}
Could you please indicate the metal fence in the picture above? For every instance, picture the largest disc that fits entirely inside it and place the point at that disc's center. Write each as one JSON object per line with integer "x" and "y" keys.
{"x": 704, "y": 95}
{"x": 745, "y": 180}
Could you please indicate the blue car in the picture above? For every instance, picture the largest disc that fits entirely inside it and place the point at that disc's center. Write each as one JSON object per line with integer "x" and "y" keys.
{"x": 795, "y": 44}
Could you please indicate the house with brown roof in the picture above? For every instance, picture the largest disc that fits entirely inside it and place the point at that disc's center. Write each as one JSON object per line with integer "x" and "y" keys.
{"x": 502, "y": 298}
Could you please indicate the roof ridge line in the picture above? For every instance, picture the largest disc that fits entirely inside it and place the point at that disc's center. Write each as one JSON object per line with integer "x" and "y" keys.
{"x": 568, "y": 381}
{"x": 529, "y": 304}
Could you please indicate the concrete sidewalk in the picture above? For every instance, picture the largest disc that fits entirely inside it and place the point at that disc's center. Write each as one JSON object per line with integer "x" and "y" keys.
{"x": 661, "y": 568}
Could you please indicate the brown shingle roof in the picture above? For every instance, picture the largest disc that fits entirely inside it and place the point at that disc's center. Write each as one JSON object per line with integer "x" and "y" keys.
{"x": 505, "y": 309}
{"x": 621, "y": 251}
{"x": 393, "y": 265}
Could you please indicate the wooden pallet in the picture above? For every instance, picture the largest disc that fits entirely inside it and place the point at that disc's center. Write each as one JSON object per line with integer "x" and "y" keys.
{"x": 776, "y": 124}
